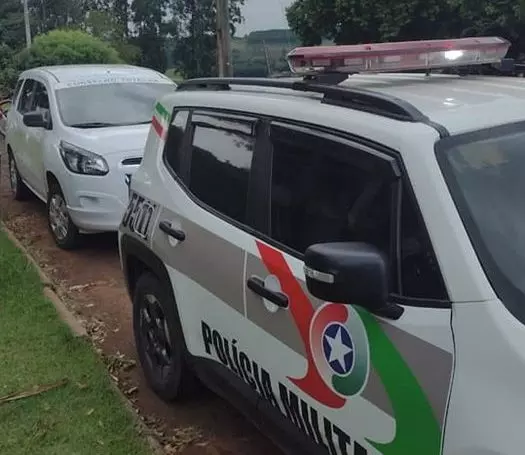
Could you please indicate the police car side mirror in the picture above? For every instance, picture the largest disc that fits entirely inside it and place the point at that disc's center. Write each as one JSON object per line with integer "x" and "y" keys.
{"x": 350, "y": 273}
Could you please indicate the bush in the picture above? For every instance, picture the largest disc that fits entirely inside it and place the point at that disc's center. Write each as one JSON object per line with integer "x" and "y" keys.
{"x": 66, "y": 47}
{"x": 128, "y": 52}
{"x": 8, "y": 73}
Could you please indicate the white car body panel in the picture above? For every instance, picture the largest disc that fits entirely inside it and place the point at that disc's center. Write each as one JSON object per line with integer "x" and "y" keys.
{"x": 485, "y": 405}
{"x": 95, "y": 203}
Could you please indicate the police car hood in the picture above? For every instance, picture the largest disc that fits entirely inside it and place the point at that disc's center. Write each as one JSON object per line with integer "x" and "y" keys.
{"x": 112, "y": 140}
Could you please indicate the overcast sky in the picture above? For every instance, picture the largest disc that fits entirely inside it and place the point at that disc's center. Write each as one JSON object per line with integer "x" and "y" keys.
{"x": 262, "y": 15}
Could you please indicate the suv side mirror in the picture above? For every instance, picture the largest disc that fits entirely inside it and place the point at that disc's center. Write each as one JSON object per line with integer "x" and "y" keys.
{"x": 350, "y": 273}
{"x": 37, "y": 119}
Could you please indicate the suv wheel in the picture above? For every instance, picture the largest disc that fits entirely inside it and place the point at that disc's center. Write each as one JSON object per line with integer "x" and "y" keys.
{"x": 64, "y": 232}
{"x": 18, "y": 188}
{"x": 159, "y": 340}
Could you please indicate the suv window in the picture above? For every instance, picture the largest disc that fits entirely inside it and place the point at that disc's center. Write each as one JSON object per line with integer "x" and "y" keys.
{"x": 420, "y": 274}
{"x": 221, "y": 161}
{"x": 41, "y": 99}
{"x": 326, "y": 191}
{"x": 174, "y": 140}
{"x": 26, "y": 99}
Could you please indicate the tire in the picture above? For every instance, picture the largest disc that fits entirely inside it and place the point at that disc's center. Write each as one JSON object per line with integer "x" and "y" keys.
{"x": 19, "y": 189}
{"x": 169, "y": 373}
{"x": 64, "y": 232}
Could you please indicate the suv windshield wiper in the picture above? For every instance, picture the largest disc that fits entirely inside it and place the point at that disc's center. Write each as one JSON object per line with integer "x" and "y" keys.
{"x": 94, "y": 125}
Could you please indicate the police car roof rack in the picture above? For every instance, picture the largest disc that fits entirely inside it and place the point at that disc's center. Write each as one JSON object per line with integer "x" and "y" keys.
{"x": 354, "y": 98}
{"x": 324, "y": 67}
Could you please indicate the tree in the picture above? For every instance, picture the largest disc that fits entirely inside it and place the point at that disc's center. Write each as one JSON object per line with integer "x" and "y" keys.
{"x": 193, "y": 28}
{"x": 8, "y": 73}
{"x": 61, "y": 47}
{"x": 122, "y": 13}
{"x": 504, "y": 18}
{"x": 51, "y": 14}
{"x": 148, "y": 17}
{"x": 362, "y": 21}
{"x": 103, "y": 25}
{"x": 310, "y": 23}
{"x": 106, "y": 26}
{"x": 12, "y": 32}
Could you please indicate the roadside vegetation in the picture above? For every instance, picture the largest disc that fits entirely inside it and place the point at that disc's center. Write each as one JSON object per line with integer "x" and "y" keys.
{"x": 178, "y": 36}
{"x": 55, "y": 394}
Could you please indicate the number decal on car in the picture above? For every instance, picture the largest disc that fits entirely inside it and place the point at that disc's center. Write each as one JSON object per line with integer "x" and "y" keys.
{"x": 139, "y": 215}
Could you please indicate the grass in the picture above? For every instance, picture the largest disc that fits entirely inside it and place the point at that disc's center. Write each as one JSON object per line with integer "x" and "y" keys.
{"x": 85, "y": 416}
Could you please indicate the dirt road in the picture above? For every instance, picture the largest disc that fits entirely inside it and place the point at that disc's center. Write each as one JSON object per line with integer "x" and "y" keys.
{"x": 91, "y": 281}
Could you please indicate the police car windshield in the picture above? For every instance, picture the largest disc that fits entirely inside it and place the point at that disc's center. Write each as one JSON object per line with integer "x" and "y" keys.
{"x": 101, "y": 105}
{"x": 485, "y": 172}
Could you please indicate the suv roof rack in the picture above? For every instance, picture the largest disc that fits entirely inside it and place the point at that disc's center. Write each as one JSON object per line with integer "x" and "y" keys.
{"x": 353, "y": 98}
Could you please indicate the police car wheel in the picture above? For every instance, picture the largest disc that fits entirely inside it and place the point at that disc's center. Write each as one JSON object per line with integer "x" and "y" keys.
{"x": 64, "y": 232}
{"x": 160, "y": 342}
{"x": 19, "y": 190}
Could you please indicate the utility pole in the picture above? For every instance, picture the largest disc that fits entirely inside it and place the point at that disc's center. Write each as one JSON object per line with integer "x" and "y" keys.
{"x": 267, "y": 58}
{"x": 28, "y": 26}
{"x": 224, "y": 62}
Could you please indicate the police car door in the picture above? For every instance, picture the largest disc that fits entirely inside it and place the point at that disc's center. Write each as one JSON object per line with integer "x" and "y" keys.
{"x": 209, "y": 193}
{"x": 351, "y": 382}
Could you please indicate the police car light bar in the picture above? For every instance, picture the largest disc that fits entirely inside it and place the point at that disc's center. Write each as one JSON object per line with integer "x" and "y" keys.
{"x": 400, "y": 56}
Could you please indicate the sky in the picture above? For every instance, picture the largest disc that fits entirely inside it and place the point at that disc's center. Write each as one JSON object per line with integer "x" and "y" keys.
{"x": 262, "y": 15}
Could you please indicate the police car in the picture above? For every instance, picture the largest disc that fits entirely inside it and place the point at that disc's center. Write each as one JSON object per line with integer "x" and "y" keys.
{"x": 341, "y": 255}
{"x": 74, "y": 136}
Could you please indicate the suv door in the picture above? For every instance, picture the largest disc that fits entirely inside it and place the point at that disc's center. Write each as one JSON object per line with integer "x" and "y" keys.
{"x": 39, "y": 140}
{"x": 207, "y": 173}
{"x": 18, "y": 132}
{"x": 348, "y": 380}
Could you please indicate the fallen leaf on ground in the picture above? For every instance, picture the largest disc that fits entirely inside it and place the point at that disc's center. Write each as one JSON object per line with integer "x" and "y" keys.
{"x": 35, "y": 390}
{"x": 79, "y": 287}
{"x": 131, "y": 391}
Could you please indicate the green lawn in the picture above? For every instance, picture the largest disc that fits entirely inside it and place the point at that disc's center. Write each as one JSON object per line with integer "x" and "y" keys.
{"x": 85, "y": 416}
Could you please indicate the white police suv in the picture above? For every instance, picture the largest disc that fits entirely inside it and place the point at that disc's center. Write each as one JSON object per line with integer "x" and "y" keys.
{"x": 75, "y": 135}
{"x": 340, "y": 256}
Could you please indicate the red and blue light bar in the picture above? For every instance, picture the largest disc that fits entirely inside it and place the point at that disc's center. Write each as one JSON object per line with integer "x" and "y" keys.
{"x": 400, "y": 56}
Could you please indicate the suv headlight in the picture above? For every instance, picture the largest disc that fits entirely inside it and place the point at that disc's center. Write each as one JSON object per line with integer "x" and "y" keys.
{"x": 81, "y": 161}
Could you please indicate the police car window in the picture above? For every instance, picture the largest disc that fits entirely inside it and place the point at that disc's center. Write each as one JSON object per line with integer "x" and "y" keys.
{"x": 174, "y": 140}
{"x": 324, "y": 191}
{"x": 221, "y": 160}
{"x": 420, "y": 274}
{"x": 25, "y": 104}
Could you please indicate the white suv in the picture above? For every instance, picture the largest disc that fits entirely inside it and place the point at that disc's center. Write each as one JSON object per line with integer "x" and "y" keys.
{"x": 343, "y": 261}
{"x": 75, "y": 135}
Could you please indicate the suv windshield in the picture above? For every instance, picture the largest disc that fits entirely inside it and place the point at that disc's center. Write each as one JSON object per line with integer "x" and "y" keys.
{"x": 485, "y": 172}
{"x": 93, "y": 106}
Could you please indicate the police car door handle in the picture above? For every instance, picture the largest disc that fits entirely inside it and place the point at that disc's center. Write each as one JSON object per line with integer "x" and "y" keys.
{"x": 177, "y": 234}
{"x": 277, "y": 298}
